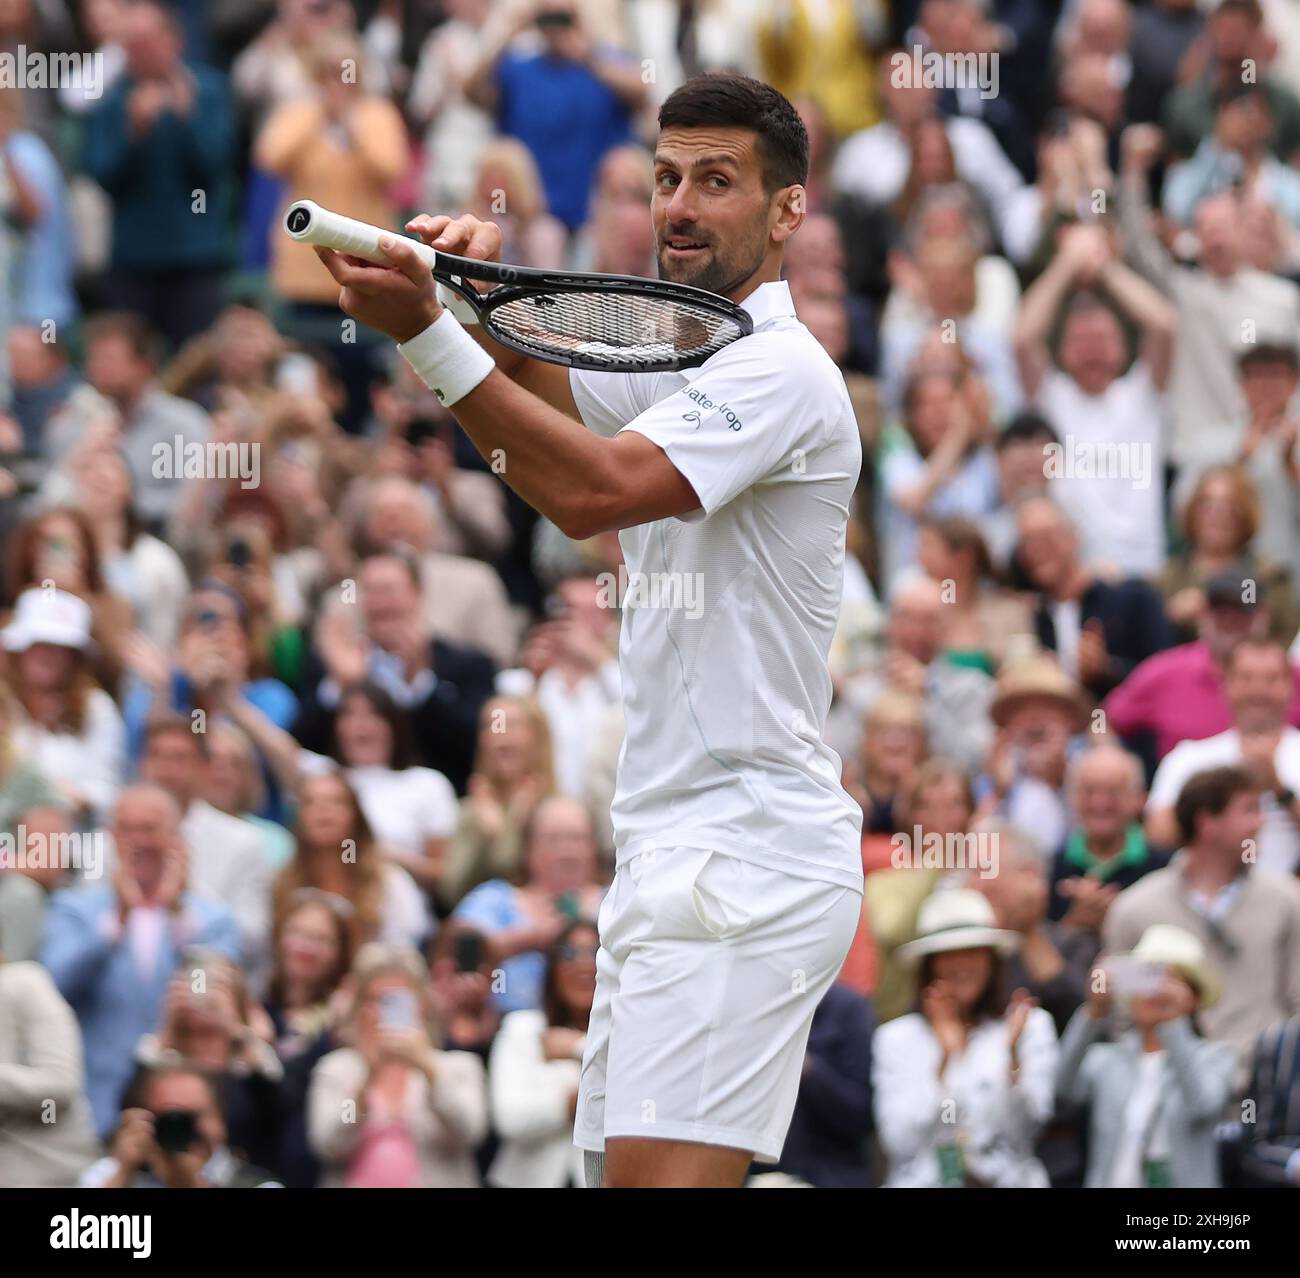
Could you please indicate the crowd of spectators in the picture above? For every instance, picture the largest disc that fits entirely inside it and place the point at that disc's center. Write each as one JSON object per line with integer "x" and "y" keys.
{"x": 309, "y": 727}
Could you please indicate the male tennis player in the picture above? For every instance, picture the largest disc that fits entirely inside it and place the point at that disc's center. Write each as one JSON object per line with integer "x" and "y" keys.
{"x": 739, "y": 875}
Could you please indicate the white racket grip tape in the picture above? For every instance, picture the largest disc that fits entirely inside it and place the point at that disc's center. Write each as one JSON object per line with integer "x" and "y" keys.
{"x": 457, "y": 305}
{"x": 308, "y": 222}
{"x": 448, "y": 360}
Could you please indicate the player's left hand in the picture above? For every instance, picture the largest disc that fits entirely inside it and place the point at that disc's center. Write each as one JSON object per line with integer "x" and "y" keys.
{"x": 399, "y": 300}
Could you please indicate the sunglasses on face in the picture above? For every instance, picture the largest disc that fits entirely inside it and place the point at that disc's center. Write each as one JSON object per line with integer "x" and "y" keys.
{"x": 570, "y": 953}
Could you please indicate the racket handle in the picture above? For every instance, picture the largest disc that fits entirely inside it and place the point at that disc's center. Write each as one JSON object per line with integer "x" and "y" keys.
{"x": 308, "y": 222}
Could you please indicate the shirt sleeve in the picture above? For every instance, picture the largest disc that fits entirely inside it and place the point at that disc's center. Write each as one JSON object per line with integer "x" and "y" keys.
{"x": 1168, "y": 781}
{"x": 747, "y": 415}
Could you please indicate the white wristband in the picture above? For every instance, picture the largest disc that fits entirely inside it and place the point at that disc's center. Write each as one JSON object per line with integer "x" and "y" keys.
{"x": 449, "y": 361}
{"x": 452, "y": 301}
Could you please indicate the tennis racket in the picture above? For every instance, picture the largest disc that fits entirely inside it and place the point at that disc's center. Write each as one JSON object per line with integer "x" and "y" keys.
{"x": 611, "y": 323}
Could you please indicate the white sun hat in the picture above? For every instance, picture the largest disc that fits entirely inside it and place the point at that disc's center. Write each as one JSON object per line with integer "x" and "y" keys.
{"x": 48, "y": 616}
{"x": 960, "y": 919}
{"x": 1170, "y": 946}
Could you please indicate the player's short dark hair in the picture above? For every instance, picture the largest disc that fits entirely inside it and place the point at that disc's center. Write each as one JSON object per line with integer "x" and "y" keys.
{"x": 736, "y": 101}
{"x": 1209, "y": 791}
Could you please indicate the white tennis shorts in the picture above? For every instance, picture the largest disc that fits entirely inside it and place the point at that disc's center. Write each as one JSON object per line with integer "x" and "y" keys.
{"x": 707, "y": 977}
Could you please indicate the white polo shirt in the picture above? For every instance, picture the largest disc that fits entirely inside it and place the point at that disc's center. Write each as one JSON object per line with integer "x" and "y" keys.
{"x": 729, "y": 611}
{"x": 1279, "y": 841}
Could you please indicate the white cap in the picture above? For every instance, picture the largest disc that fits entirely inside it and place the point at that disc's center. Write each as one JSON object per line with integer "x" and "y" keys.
{"x": 48, "y": 616}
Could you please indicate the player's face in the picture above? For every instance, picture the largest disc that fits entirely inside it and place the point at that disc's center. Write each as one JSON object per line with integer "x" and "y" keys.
{"x": 711, "y": 213}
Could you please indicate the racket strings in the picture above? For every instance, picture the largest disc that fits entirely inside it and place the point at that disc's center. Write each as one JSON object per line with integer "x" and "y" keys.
{"x": 614, "y": 330}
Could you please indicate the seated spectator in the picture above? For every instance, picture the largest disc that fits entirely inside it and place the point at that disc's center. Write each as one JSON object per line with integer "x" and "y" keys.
{"x": 1221, "y": 520}
{"x": 165, "y": 128}
{"x": 1098, "y": 629}
{"x": 456, "y": 131}
{"x": 826, "y": 1145}
{"x": 1039, "y": 714}
{"x": 956, "y": 698}
{"x": 893, "y": 748}
{"x": 42, "y": 1074}
{"x": 343, "y": 145}
{"x": 534, "y": 1069}
{"x": 233, "y": 785}
{"x": 1259, "y": 684}
{"x": 937, "y": 807}
{"x": 508, "y": 191}
{"x": 872, "y": 165}
{"x": 172, "y": 1135}
{"x": 1020, "y": 450}
{"x": 1106, "y": 849}
{"x": 42, "y": 378}
{"x": 210, "y": 1021}
{"x": 58, "y": 545}
{"x": 1237, "y": 152}
{"x": 981, "y": 619}
{"x": 1215, "y": 296}
{"x": 67, "y": 725}
{"x": 573, "y": 87}
{"x": 112, "y": 949}
{"x": 440, "y": 685}
{"x": 1243, "y": 916}
{"x": 513, "y": 773}
{"x": 1178, "y": 695}
{"x": 1107, "y": 416}
{"x": 44, "y": 832}
{"x": 1157, "y": 1092}
{"x": 943, "y": 469}
{"x": 1261, "y": 446}
{"x": 1051, "y": 962}
{"x": 411, "y": 810}
{"x": 137, "y": 567}
{"x": 391, "y": 1110}
{"x": 121, "y": 365}
{"x": 1270, "y": 1154}
{"x": 335, "y": 851}
{"x": 962, "y": 1085}
{"x": 461, "y": 970}
{"x": 558, "y": 883}
{"x": 214, "y": 658}
{"x": 311, "y": 948}
{"x": 227, "y": 866}
{"x": 575, "y": 650}
{"x": 464, "y": 600}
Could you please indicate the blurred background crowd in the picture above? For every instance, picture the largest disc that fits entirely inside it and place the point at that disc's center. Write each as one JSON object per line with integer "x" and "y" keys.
{"x": 321, "y": 756}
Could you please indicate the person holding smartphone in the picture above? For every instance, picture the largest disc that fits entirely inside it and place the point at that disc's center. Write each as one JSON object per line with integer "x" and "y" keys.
{"x": 1158, "y": 1091}
{"x": 391, "y": 1110}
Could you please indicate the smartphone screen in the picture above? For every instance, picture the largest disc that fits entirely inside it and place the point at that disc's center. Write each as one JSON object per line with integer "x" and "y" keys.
{"x": 398, "y": 1009}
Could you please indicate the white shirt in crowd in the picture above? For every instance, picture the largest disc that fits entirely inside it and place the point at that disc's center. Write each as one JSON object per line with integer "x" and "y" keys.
{"x": 92, "y": 761}
{"x": 973, "y": 1106}
{"x": 873, "y": 164}
{"x": 530, "y": 1100}
{"x": 1144, "y": 1135}
{"x": 726, "y": 700}
{"x": 574, "y": 715}
{"x": 1116, "y": 497}
{"x": 1279, "y": 839}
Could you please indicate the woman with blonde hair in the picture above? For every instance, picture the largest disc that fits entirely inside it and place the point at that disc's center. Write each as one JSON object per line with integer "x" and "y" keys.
{"x": 513, "y": 772}
{"x": 391, "y": 1110}
{"x": 509, "y": 192}
{"x": 1220, "y": 521}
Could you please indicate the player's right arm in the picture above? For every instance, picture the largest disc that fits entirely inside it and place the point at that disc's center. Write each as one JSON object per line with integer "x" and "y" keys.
{"x": 468, "y": 236}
